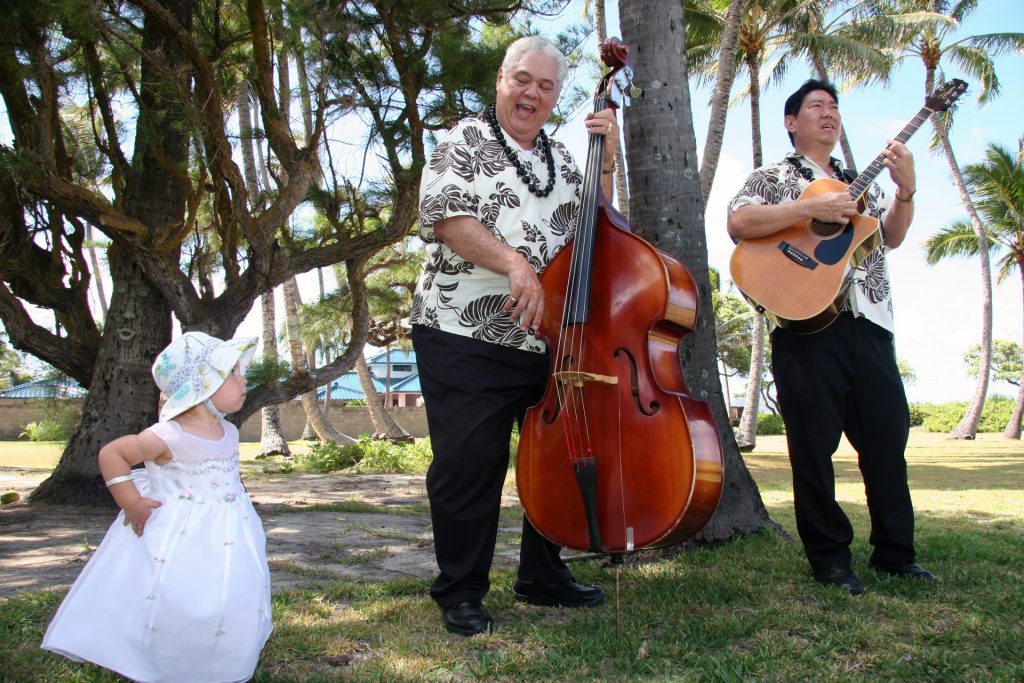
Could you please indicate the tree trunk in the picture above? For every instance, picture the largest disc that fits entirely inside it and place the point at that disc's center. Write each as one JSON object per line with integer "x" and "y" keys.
{"x": 1012, "y": 430}
{"x": 97, "y": 271}
{"x": 272, "y": 441}
{"x": 720, "y": 100}
{"x": 725, "y": 387}
{"x": 666, "y": 204}
{"x": 384, "y": 426}
{"x": 747, "y": 432}
{"x": 122, "y": 397}
{"x": 621, "y": 188}
{"x": 968, "y": 426}
{"x": 324, "y": 430}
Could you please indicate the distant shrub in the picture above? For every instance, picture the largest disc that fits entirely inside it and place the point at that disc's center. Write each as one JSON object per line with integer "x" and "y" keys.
{"x": 943, "y": 417}
{"x": 330, "y": 456}
{"x": 918, "y": 412}
{"x": 392, "y": 457}
{"x": 368, "y": 456}
{"x": 998, "y": 411}
{"x": 769, "y": 424}
{"x": 46, "y": 430}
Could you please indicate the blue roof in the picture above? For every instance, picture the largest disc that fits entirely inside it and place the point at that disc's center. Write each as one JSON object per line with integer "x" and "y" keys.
{"x": 46, "y": 388}
{"x": 408, "y": 385}
{"x": 347, "y": 388}
{"x": 397, "y": 356}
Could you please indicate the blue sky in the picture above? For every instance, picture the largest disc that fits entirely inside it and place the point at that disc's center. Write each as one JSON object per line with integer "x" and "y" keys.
{"x": 937, "y": 307}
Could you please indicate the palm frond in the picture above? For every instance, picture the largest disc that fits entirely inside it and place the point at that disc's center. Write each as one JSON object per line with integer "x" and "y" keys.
{"x": 955, "y": 240}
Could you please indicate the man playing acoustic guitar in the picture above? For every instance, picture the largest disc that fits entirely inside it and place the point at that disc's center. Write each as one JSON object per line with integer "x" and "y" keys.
{"x": 842, "y": 378}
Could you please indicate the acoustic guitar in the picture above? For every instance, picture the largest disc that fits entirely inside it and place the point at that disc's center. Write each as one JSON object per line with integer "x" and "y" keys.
{"x": 797, "y": 276}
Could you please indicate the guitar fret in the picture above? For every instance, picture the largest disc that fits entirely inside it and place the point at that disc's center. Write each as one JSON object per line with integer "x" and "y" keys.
{"x": 859, "y": 186}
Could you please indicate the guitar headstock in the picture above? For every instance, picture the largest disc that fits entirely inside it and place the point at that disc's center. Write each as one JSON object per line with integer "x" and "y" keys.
{"x": 944, "y": 97}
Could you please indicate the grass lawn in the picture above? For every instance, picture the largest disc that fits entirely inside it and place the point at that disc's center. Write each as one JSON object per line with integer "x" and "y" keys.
{"x": 747, "y": 610}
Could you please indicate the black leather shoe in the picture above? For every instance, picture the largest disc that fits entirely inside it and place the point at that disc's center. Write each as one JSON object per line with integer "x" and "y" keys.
{"x": 843, "y": 577}
{"x": 467, "y": 618}
{"x": 563, "y": 594}
{"x": 910, "y": 570}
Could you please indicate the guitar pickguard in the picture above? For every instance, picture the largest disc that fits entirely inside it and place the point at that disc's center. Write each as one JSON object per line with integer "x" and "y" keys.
{"x": 834, "y": 249}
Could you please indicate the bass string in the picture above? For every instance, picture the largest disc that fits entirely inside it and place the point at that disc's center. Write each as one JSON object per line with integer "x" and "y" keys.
{"x": 572, "y": 340}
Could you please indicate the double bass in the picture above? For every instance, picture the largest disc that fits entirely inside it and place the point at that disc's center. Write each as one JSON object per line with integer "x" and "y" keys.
{"x": 617, "y": 456}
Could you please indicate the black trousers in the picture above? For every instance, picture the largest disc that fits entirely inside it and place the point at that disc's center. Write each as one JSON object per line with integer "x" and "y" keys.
{"x": 845, "y": 379}
{"x": 473, "y": 392}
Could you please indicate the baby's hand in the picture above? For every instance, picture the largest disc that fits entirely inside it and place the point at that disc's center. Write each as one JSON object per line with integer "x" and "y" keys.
{"x": 137, "y": 514}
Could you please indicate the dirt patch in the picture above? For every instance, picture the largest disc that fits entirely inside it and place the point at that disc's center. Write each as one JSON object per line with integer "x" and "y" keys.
{"x": 46, "y": 546}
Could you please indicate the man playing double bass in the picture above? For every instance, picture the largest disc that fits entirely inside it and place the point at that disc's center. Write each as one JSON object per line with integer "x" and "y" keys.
{"x": 497, "y": 202}
{"x": 843, "y": 378}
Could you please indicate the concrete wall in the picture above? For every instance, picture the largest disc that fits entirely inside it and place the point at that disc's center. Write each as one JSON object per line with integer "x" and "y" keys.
{"x": 15, "y": 413}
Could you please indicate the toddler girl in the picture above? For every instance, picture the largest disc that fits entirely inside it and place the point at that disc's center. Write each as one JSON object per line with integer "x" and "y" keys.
{"x": 179, "y": 589}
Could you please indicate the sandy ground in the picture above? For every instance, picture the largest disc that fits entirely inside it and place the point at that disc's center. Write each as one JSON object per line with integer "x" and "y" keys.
{"x": 46, "y": 546}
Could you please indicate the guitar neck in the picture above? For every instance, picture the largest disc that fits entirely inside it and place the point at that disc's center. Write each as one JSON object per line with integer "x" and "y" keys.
{"x": 859, "y": 186}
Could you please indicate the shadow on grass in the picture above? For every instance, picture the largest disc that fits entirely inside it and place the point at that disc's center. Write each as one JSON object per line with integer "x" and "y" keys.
{"x": 746, "y": 609}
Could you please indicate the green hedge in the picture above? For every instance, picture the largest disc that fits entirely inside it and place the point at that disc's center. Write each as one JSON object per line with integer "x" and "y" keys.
{"x": 47, "y": 430}
{"x": 933, "y": 417}
{"x": 769, "y": 424}
{"x": 943, "y": 417}
{"x": 366, "y": 456}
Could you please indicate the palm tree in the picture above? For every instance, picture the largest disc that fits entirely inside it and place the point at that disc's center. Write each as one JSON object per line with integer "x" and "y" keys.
{"x": 665, "y": 197}
{"x": 972, "y": 55}
{"x": 844, "y": 41}
{"x": 390, "y": 279}
{"x": 772, "y": 33}
{"x": 763, "y": 23}
{"x": 733, "y": 318}
{"x": 997, "y": 185}
{"x": 324, "y": 430}
{"x": 838, "y": 39}
{"x": 272, "y": 441}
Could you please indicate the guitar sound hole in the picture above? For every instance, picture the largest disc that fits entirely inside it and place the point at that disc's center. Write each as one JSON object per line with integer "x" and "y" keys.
{"x": 825, "y": 230}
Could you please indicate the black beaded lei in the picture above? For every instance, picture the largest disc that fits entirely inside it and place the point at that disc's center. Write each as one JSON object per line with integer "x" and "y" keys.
{"x": 525, "y": 174}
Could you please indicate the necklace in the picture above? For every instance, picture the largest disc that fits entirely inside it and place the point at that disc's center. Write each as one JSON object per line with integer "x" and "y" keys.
{"x": 525, "y": 174}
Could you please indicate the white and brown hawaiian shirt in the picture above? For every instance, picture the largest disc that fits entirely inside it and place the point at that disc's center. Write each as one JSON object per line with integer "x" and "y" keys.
{"x": 869, "y": 295}
{"x": 469, "y": 174}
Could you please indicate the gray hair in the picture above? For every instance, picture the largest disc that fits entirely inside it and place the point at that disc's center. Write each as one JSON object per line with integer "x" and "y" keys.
{"x": 541, "y": 45}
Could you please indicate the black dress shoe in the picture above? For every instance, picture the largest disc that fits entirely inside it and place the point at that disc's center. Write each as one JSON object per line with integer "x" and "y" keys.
{"x": 911, "y": 570}
{"x": 843, "y": 577}
{"x": 562, "y": 594}
{"x": 467, "y": 618}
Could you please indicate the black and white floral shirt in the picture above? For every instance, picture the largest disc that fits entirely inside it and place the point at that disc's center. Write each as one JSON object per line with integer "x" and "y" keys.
{"x": 870, "y": 295}
{"x": 469, "y": 174}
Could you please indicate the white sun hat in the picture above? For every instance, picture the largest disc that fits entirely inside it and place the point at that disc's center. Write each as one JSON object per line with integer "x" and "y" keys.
{"x": 194, "y": 366}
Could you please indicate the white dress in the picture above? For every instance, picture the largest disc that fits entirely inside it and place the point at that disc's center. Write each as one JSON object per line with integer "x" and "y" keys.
{"x": 189, "y": 600}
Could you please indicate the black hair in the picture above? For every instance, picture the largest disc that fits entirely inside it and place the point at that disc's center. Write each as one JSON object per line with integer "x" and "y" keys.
{"x": 796, "y": 100}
